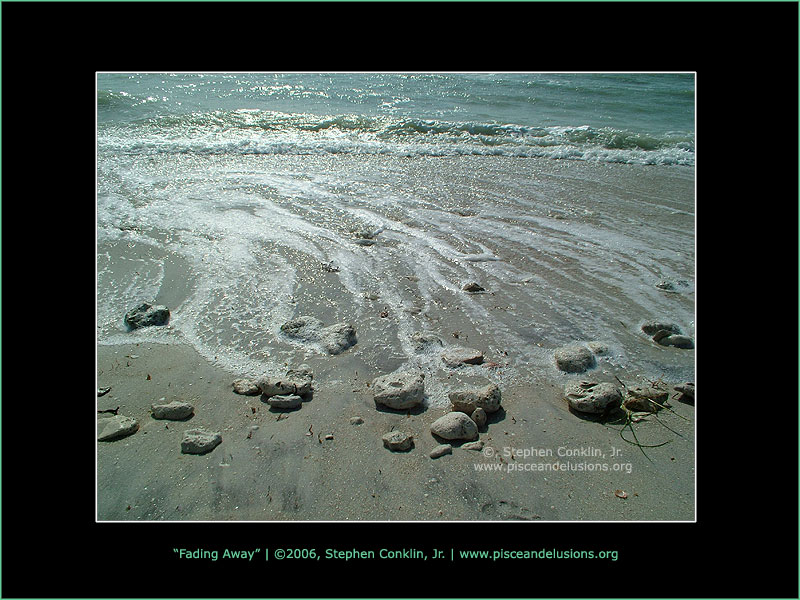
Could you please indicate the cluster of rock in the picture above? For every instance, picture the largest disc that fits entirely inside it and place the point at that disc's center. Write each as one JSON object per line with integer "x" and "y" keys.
{"x": 469, "y": 410}
{"x": 602, "y": 398}
{"x": 195, "y": 441}
{"x": 403, "y": 390}
{"x": 282, "y": 393}
{"x": 334, "y": 339}
{"x": 667, "y": 334}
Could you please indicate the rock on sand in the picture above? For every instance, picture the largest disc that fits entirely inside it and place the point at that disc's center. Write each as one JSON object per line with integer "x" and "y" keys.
{"x": 399, "y": 390}
{"x": 246, "y": 387}
{"x": 479, "y": 416}
{"x": 286, "y": 402}
{"x": 397, "y": 441}
{"x": 174, "y": 411}
{"x": 441, "y": 450}
{"x": 455, "y": 426}
{"x": 592, "y": 397}
{"x": 667, "y": 334}
{"x": 200, "y": 441}
{"x": 687, "y": 392}
{"x": 116, "y": 427}
{"x": 646, "y": 399}
{"x": 295, "y": 382}
{"x": 455, "y": 357}
{"x": 574, "y": 358}
{"x": 467, "y": 400}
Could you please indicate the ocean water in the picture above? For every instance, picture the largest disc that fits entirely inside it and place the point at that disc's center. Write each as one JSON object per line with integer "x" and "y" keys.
{"x": 244, "y": 200}
{"x": 630, "y": 118}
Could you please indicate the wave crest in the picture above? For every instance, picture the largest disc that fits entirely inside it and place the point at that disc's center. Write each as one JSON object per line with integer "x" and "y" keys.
{"x": 266, "y": 132}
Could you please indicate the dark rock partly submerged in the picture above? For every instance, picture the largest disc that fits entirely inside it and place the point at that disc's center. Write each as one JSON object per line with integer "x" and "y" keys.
{"x": 146, "y": 315}
{"x": 667, "y": 334}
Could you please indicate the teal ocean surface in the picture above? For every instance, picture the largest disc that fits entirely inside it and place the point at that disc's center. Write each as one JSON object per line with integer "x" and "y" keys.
{"x": 628, "y": 118}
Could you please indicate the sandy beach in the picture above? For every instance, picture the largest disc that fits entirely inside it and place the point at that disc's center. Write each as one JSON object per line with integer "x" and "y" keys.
{"x": 282, "y": 466}
{"x": 603, "y": 250}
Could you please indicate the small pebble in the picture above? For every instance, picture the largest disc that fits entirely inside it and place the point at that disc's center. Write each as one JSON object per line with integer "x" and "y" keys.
{"x": 441, "y": 450}
{"x": 477, "y": 446}
{"x": 356, "y": 420}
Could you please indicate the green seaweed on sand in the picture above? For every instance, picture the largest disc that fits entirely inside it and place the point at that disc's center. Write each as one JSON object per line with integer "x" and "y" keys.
{"x": 630, "y": 417}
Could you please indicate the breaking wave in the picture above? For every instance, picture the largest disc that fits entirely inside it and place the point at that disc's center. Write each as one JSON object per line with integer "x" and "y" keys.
{"x": 267, "y": 132}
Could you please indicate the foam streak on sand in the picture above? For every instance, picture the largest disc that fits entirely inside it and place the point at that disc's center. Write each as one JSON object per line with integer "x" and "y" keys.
{"x": 566, "y": 263}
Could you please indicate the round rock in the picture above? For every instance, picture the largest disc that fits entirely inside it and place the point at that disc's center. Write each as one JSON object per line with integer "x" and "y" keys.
{"x": 574, "y": 358}
{"x": 399, "y": 390}
{"x": 334, "y": 339}
{"x": 592, "y": 397}
{"x": 303, "y": 328}
{"x": 455, "y": 426}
